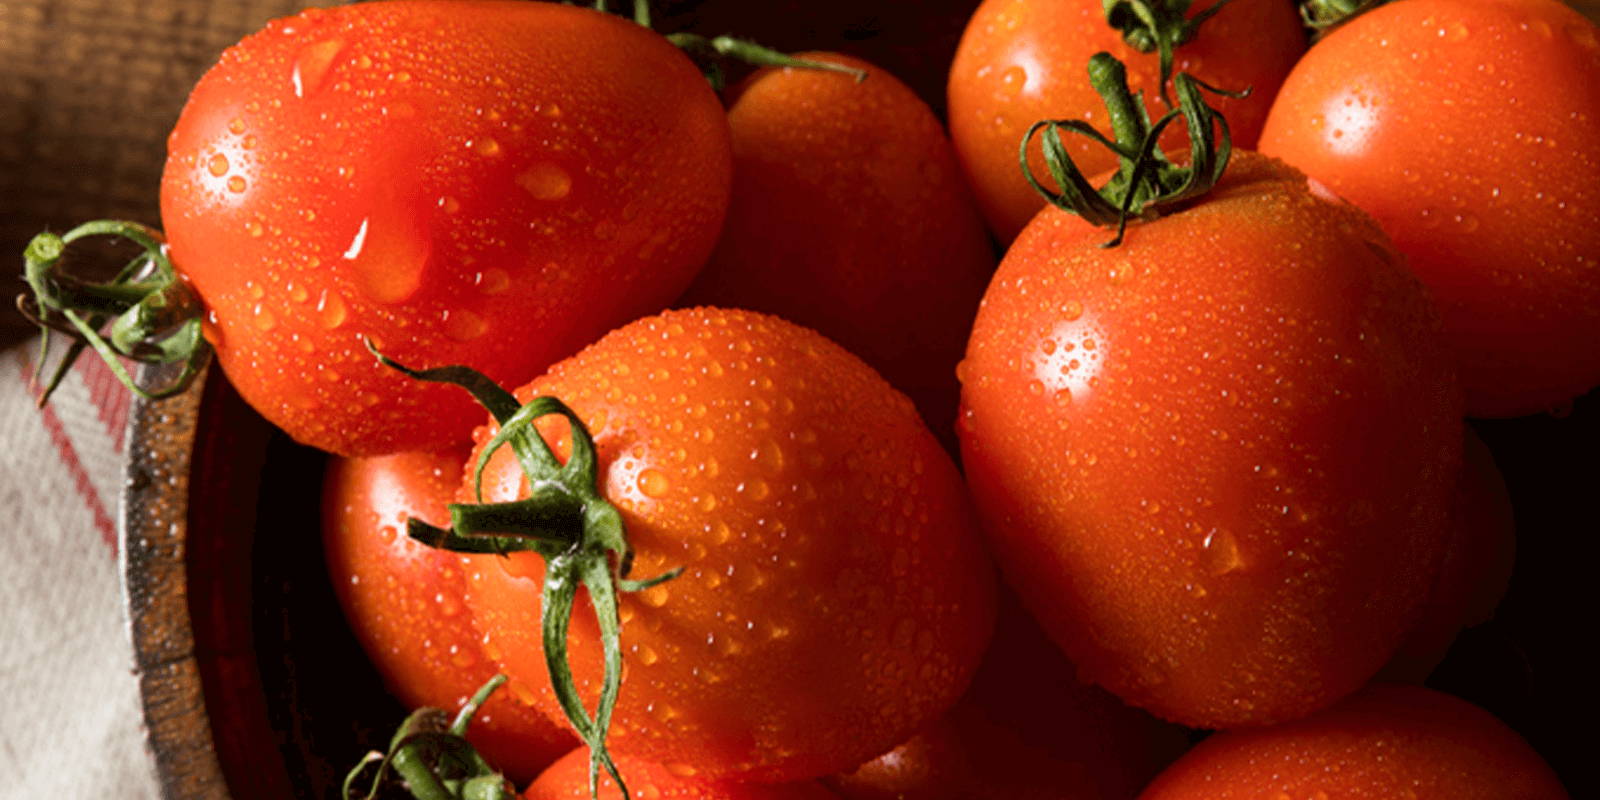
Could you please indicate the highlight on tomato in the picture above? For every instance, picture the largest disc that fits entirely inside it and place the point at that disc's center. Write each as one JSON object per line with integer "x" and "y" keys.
{"x": 1386, "y": 741}
{"x": 814, "y": 585}
{"x": 1466, "y": 128}
{"x": 483, "y": 182}
{"x": 1020, "y": 61}
{"x": 1215, "y": 460}
{"x": 850, "y": 216}
{"x": 405, "y": 602}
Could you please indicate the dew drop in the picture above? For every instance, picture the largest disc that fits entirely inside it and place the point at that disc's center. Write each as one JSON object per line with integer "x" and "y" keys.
{"x": 236, "y": 184}
{"x": 493, "y": 281}
{"x": 1220, "y": 553}
{"x": 769, "y": 455}
{"x": 236, "y": 126}
{"x": 218, "y": 165}
{"x": 464, "y": 326}
{"x": 331, "y": 310}
{"x": 656, "y": 596}
{"x": 254, "y": 228}
{"x": 653, "y": 483}
{"x": 550, "y": 111}
{"x": 546, "y": 182}
{"x": 646, "y": 655}
{"x": 1013, "y": 80}
{"x": 311, "y": 66}
{"x": 449, "y": 205}
{"x": 486, "y": 147}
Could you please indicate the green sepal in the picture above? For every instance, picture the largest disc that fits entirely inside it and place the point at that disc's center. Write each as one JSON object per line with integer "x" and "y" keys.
{"x": 1161, "y": 26}
{"x": 429, "y": 758}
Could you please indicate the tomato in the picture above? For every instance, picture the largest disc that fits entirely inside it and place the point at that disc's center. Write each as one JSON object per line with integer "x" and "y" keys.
{"x": 568, "y": 779}
{"x": 1028, "y": 729}
{"x": 850, "y": 216}
{"x": 404, "y": 602}
{"x": 1216, "y": 460}
{"x": 1476, "y": 570}
{"x": 1466, "y": 128}
{"x": 487, "y": 183}
{"x": 1021, "y": 61}
{"x": 835, "y": 596}
{"x": 1386, "y": 742}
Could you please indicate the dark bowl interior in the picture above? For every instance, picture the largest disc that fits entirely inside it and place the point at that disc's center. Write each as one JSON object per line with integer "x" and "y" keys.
{"x": 254, "y": 687}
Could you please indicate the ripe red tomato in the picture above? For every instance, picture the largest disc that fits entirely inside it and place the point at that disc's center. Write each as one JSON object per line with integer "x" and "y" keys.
{"x": 568, "y": 779}
{"x": 487, "y": 183}
{"x": 1028, "y": 729}
{"x": 1476, "y": 570}
{"x": 1467, "y": 129}
{"x": 850, "y": 216}
{"x": 835, "y": 596}
{"x": 404, "y": 602}
{"x": 1216, "y": 460}
{"x": 1385, "y": 742}
{"x": 1021, "y": 61}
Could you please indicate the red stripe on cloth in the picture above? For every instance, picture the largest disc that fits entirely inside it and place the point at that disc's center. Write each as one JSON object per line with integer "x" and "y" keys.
{"x": 110, "y": 398}
{"x": 70, "y": 460}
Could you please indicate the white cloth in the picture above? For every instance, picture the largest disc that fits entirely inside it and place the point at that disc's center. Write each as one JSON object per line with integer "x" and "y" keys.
{"x": 71, "y": 724}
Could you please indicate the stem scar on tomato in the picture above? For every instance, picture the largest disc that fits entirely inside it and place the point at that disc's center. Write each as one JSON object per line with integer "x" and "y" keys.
{"x": 1146, "y": 181}
{"x": 567, "y": 522}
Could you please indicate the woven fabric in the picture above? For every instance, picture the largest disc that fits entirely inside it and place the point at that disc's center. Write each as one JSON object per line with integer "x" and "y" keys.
{"x": 71, "y": 723}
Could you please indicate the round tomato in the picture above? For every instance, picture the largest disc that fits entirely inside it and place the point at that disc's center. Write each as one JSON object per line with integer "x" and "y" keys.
{"x": 1385, "y": 742}
{"x": 1027, "y": 729}
{"x": 1467, "y": 129}
{"x": 1215, "y": 460}
{"x": 1476, "y": 571}
{"x": 1021, "y": 61}
{"x": 568, "y": 779}
{"x": 488, "y": 183}
{"x": 850, "y": 216}
{"x": 404, "y": 602}
{"x": 834, "y": 595}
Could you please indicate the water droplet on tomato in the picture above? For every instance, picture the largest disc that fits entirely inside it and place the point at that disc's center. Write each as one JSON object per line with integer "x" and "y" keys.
{"x": 549, "y": 110}
{"x": 546, "y": 182}
{"x": 264, "y": 318}
{"x": 311, "y": 66}
{"x": 486, "y": 147}
{"x": 217, "y": 165}
{"x": 493, "y": 281}
{"x": 645, "y": 655}
{"x": 254, "y": 228}
{"x": 654, "y": 483}
{"x": 1013, "y": 80}
{"x": 390, "y": 258}
{"x": 236, "y": 184}
{"x": 450, "y": 205}
{"x": 331, "y": 310}
{"x": 656, "y": 596}
{"x": 769, "y": 455}
{"x": 1454, "y": 32}
{"x": 464, "y": 326}
{"x": 1220, "y": 553}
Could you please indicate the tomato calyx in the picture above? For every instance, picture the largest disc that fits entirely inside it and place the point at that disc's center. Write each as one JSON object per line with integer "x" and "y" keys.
{"x": 154, "y": 316}
{"x": 1159, "y": 25}
{"x": 1322, "y": 16}
{"x": 565, "y": 520}
{"x": 709, "y": 52}
{"x": 1146, "y": 181}
{"x": 429, "y": 758}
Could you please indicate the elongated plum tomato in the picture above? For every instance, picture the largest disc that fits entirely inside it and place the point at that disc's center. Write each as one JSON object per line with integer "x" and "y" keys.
{"x": 568, "y": 779}
{"x": 487, "y": 183}
{"x": 1385, "y": 742}
{"x": 1215, "y": 461}
{"x": 1467, "y": 129}
{"x": 850, "y": 216}
{"x": 835, "y": 596}
{"x": 405, "y": 602}
{"x": 1021, "y": 61}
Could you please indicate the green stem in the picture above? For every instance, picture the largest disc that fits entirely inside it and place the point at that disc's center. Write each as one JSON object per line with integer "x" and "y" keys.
{"x": 1161, "y": 26}
{"x": 566, "y": 521}
{"x": 431, "y": 759}
{"x": 1322, "y": 16}
{"x": 1146, "y": 181}
{"x": 709, "y": 52}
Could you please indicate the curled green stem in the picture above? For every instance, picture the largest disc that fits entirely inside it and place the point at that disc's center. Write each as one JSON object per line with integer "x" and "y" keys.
{"x": 1161, "y": 26}
{"x": 429, "y": 758}
{"x": 564, "y": 519}
{"x": 1146, "y": 181}
{"x": 1322, "y": 16}
{"x": 152, "y": 314}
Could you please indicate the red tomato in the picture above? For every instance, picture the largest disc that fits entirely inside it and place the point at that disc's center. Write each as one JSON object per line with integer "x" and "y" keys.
{"x": 487, "y": 183}
{"x": 568, "y": 779}
{"x": 1028, "y": 729}
{"x": 1467, "y": 129}
{"x": 835, "y": 596}
{"x": 1476, "y": 570}
{"x": 1387, "y": 742}
{"x": 404, "y": 602}
{"x": 1216, "y": 460}
{"x": 1021, "y": 61}
{"x": 850, "y": 216}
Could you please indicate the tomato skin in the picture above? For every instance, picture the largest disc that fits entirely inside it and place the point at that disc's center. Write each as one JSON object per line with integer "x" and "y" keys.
{"x": 835, "y": 596}
{"x": 1021, "y": 61}
{"x": 568, "y": 779}
{"x": 1385, "y": 742}
{"x": 850, "y": 216}
{"x": 1476, "y": 570}
{"x": 488, "y": 183}
{"x": 1215, "y": 461}
{"x": 1027, "y": 729}
{"x": 406, "y": 606}
{"x": 1466, "y": 128}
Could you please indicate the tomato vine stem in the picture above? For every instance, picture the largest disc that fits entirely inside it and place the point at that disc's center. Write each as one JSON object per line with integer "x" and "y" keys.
{"x": 1159, "y": 25}
{"x": 1146, "y": 181}
{"x": 566, "y": 521}
{"x": 429, "y": 758}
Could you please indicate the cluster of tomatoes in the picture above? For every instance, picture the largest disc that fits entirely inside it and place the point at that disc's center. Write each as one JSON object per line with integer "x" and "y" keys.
{"x": 1221, "y": 466}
